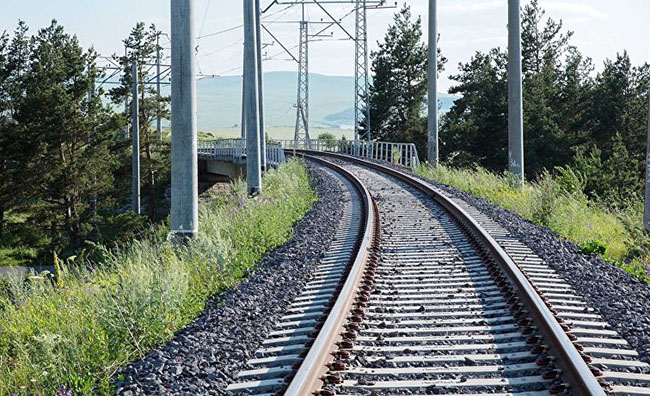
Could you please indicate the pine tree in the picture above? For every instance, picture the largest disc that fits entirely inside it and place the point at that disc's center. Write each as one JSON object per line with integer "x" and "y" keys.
{"x": 556, "y": 86}
{"x": 14, "y": 54}
{"x": 474, "y": 129}
{"x": 155, "y": 153}
{"x": 399, "y": 85}
{"x": 70, "y": 132}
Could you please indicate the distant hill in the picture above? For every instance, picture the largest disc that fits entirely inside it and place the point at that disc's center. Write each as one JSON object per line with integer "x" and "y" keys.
{"x": 219, "y": 101}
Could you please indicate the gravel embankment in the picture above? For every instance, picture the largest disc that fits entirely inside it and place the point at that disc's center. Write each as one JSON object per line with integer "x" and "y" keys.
{"x": 205, "y": 356}
{"x": 621, "y": 299}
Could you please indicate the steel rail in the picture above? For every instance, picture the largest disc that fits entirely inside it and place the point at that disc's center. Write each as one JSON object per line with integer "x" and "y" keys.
{"x": 308, "y": 377}
{"x": 575, "y": 370}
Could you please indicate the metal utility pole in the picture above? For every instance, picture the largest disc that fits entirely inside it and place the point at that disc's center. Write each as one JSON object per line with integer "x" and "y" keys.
{"x": 126, "y": 99}
{"x": 361, "y": 97}
{"x": 515, "y": 101}
{"x": 260, "y": 82}
{"x": 302, "y": 100}
{"x": 185, "y": 188}
{"x": 251, "y": 101}
{"x": 158, "y": 120}
{"x": 243, "y": 110}
{"x": 646, "y": 207}
{"x": 135, "y": 118}
{"x": 433, "y": 85}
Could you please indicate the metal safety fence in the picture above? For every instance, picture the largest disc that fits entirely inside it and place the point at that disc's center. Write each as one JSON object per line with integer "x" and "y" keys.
{"x": 403, "y": 154}
{"x": 234, "y": 150}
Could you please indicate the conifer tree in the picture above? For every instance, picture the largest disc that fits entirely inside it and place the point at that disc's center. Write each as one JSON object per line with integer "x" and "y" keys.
{"x": 14, "y": 53}
{"x": 142, "y": 46}
{"x": 399, "y": 85}
{"x": 70, "y": 162}
{"x": 556, "y": 88}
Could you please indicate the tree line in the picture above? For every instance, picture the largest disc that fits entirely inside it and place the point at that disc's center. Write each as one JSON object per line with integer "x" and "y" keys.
{"x": 574, "y": 118}
{"x": 65, "y": 160}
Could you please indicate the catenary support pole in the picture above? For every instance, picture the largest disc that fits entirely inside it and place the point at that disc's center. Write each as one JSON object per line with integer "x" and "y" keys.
{"x": 361, "y": 93}
{"x": 243, "y": 111}
{"x": 301, "y": 132}
{"x": 251, "y": 102}
{"x": 135, "y": 132}
{"x": 126, "y": 99}
{"x": 433, "y": 85}
{"x": 515, "y": 100}
{"x": 646, "y": 207}
{"x": 158, "y": 119}
{"x": 185, "y": 191}
{"x": 260, "y": 83}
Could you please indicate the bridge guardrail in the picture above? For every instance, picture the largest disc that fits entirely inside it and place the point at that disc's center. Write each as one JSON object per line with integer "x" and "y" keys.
{"x": 234, "y": 150}
{"x": 404, "y": 154}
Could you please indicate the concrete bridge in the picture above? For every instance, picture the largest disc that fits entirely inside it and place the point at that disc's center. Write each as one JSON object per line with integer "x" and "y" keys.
{"x": 226, "y": 158}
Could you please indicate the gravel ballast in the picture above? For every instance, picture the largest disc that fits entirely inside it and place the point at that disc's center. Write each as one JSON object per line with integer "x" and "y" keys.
{"x": 621, "y": 299}
{"x": 205, "y": 356}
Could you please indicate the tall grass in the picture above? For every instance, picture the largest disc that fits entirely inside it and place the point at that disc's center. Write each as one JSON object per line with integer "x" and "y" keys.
{"x": 80, "y": 330}
{"x": 558, "y": 203}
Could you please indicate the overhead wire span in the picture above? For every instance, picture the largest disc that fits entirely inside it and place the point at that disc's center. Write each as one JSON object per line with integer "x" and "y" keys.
{"x": 205, "y": 15}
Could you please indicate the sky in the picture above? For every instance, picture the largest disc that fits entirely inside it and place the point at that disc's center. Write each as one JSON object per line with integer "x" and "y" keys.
{"x": 602, "y": 28}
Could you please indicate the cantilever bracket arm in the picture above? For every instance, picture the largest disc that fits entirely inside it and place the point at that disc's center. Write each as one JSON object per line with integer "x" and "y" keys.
{"x": 333, "y": 19}
{"x": 281, "y": 45}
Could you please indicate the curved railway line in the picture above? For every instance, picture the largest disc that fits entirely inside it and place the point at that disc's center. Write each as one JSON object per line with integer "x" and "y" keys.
{"x": 422, "y": 294}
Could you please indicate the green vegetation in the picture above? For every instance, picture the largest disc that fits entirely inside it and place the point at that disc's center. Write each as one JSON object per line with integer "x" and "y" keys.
{"x": 585, "y": 132}
{"x": 65, "y": 162}
{"x": 155, "y": 152}
{"x": 81, "y": 327}
{"x": 559, "y": 202}
{"x": 399, "y": 84}
{"x": 329, "y": 138}
{"x": 593, "y": 122}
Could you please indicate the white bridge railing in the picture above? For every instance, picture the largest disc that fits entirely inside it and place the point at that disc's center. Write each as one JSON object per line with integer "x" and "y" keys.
{"x": 404, "y": 154}
{"x": 234, "y": 150}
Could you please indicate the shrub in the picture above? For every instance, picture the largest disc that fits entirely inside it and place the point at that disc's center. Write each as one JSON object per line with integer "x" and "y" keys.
{"x": 329, "y": 138}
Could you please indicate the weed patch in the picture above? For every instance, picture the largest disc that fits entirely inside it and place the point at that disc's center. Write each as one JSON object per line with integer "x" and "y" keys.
{"x": 559, "y": 203}
{"x": 78, "y": 332}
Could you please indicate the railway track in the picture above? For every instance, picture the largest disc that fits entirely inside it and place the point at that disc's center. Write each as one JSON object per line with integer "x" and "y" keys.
{"x": 422, "y": 294}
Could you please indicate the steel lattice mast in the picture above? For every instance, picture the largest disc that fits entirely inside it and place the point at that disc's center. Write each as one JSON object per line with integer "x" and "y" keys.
{"x": 361, "y": 97}
{"x": 302, "y": 102}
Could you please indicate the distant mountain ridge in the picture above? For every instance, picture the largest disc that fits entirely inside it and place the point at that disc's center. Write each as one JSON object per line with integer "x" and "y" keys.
{"x": 330, "y": 101}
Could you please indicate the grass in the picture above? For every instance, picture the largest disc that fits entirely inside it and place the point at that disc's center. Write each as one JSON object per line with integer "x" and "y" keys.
{"x": 558, "y": 203}
{"x": 82, "y": 327}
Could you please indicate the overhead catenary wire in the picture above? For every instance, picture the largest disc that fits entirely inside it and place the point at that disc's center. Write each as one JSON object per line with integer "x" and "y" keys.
{"x": 230, "y": 29}
{"x": 330, "y": 20}
{"x": 205, "y": 16}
